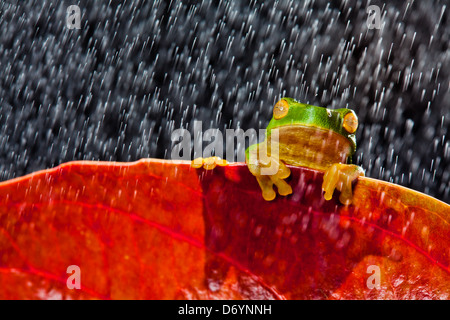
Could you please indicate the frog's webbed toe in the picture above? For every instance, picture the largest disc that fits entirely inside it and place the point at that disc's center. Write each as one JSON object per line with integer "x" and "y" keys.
{"x": 208, "y": 163}
{"x": 283, "y": 187}
{"x": 340, "y": 176}
{"x": 266, "y": 181}
{"x": 266, "y": 185}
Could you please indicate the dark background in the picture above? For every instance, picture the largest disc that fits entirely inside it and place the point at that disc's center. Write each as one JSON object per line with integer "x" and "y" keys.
{"x": 136, "y": 70}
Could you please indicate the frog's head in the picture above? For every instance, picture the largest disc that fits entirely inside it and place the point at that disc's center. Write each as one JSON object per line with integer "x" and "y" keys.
{"x": 288, "y": 112}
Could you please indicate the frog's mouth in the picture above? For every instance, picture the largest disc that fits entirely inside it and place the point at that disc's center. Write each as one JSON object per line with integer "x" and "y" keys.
{"x": 311, "y": 146}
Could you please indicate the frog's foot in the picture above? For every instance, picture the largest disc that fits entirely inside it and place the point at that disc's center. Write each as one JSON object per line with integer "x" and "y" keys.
{"x": 340, "y": 176}
{"x": 266, "y": 181}
{"x": 208, "y": 163}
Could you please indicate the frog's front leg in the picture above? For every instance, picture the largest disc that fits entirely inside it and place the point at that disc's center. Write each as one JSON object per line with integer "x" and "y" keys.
{"x": 208, "y": 163}
{"x": 340, "y": 176}
{"x": 269, "y": 171}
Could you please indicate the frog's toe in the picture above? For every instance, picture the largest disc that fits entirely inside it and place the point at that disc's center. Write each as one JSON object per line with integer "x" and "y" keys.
{"x": 208, "y": 163}
{"x": 268, "y": 173}
{"x": 283, "y": 171}
{"x": 221, "y": 162}
{"x": 340, "y": 176}
{"x": 283, "y": 187}
{"x": 269, "y": 194}
{"x": 266, "y": 186}
{"x": 330, "y": 180}
{"x": 197, "y": 163}
{"x": 346, "y": 195}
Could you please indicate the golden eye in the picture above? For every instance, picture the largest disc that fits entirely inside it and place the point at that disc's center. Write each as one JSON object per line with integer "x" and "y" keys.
{"x": 281, "y": 109}
{"x": 350, "y": 122}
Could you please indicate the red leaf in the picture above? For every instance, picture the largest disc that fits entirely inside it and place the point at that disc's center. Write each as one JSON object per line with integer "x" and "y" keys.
{"x": 158, "y": 229}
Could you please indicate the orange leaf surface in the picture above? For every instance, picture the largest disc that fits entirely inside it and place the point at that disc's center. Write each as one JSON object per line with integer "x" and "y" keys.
{"x": 156, "y": 229}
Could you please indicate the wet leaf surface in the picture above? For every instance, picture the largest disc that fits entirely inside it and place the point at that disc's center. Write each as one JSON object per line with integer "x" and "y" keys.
{"x": 161, "y": 230}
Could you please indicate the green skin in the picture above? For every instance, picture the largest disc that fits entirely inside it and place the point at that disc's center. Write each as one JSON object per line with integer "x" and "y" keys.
{"x": 319, "y": 117}
{"x": 313, "y": 116}
{"x": 303, "y": 134}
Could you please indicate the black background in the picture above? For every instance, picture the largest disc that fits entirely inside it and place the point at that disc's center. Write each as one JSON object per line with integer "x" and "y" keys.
{"x": 136, "y": 70}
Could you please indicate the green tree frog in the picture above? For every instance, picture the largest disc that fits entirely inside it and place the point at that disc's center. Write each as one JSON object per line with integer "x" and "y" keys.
{"x": 304, "y": 135}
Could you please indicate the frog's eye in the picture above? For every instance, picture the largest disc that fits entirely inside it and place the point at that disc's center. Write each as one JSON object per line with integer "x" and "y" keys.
{"x": 350, "y": 122}
{"x": 281, "y": 109}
